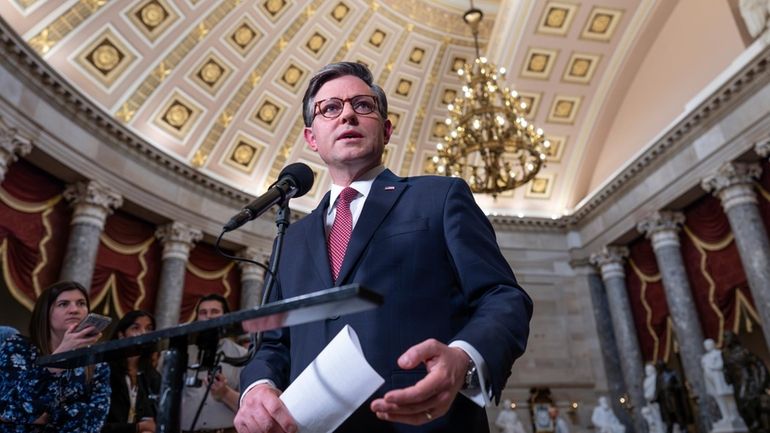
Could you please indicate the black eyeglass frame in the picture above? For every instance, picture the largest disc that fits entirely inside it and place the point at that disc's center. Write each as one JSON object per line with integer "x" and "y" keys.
{"x": 318, "y": 110}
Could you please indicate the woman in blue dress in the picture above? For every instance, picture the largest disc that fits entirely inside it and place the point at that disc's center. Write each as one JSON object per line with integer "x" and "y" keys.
{"x": 40, "y": 399}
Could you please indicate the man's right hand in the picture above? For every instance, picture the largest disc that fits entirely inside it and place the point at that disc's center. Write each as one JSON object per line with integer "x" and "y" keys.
{"x": 262, "y": 411}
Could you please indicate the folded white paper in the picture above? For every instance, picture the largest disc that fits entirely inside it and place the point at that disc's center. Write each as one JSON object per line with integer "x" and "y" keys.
{"x": 334, "y": 385}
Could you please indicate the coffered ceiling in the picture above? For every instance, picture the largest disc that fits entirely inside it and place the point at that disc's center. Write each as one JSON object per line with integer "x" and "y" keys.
{"x": 218, "y": 84}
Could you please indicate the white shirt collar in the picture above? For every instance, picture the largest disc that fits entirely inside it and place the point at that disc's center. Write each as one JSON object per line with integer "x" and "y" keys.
{"x": 363, "y": 185}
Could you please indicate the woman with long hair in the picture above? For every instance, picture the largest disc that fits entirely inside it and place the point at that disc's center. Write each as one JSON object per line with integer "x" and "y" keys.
{"x": 134, "y": 381}
{"x": 39, "y": 399}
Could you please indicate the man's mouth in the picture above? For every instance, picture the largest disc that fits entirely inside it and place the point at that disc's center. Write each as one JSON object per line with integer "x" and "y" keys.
{"x": 348, "y": 135}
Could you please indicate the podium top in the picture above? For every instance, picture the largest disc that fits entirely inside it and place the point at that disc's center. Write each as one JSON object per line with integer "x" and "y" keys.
{"x": 337, "y": 301}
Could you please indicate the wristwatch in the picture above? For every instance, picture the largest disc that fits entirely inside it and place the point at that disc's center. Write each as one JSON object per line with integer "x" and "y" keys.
{"x": 471, "y": 376}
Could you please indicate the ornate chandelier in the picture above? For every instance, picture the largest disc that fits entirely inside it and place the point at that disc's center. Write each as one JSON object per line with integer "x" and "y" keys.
{"x": 490, "y": 144}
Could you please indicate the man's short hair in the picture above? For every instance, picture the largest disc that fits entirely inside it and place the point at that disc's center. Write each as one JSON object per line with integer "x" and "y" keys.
{"x": 337, "y": 70}
{"x": 213, "y": 297}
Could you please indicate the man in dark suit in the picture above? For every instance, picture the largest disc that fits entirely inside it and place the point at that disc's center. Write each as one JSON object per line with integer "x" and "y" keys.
{"x": 454, "y": 317}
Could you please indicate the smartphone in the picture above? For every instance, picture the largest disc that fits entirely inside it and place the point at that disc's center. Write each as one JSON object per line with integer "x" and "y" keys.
{"x": 99, "y": 322}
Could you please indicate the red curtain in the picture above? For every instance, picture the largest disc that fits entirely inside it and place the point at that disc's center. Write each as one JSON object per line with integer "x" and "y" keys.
{"x": 648, "y": 302}
{"x": 34, "y": 224}
{"x": 714, "y": 268}
{"x": 128, "y": 266}
{"x": 208, "y": 272}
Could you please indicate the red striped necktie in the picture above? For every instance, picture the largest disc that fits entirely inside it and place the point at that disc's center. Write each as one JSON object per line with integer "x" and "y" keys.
{"x": 339, "y": 236}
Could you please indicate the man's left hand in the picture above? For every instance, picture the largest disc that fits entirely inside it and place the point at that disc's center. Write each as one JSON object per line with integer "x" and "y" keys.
{"x": 431, "y": 397}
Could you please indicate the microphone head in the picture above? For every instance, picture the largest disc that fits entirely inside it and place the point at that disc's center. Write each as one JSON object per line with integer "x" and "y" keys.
{"x": 299, "y": 174}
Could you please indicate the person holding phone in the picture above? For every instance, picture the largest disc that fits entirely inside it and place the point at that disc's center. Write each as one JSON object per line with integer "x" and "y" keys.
{"x": 134, "y": 381}
{"x": 43, "y": 399}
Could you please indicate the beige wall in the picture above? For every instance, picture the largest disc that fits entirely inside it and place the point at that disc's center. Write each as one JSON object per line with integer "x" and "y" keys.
{"x": 699, "y": 41}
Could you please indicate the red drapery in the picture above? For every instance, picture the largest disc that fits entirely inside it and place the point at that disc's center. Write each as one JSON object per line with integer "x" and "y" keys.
{"x": 648, "y": 302}
{"x": 714, "y": 269}
{"x": 34, "y": 223}
{"x": 127, "y": 267}
{"x": 207, "y": 272}
{"x": 717, "y": 279}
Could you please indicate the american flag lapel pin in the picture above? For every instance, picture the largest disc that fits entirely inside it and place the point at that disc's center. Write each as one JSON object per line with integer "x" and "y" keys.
{"x": 390, "y": 188}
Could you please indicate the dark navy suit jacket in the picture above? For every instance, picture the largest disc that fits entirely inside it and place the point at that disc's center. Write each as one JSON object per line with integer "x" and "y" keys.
{"x": 425, "y": 245}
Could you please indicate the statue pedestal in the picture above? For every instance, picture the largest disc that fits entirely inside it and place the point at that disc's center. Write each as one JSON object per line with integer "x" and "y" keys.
{"x": 651, "y": 414}
{"x": 731, "y": 421}
{"x": 724, "y": 425}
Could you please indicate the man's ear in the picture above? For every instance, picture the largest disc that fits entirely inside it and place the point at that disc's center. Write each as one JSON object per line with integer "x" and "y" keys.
{"x": 388, "y": 130}
{"x": 310, "y": 139}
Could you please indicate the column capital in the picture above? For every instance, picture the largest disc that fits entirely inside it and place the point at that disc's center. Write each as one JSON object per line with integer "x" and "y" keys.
{"x": 92, "y": 202}
{"x": 610, "y": 261}
{"x": 662, "y": 227}
{"x": 12, "y": 145}
{"x": 762, "y": 148}
{"x": 178, "y": 239}
{"x": 733, "y": 183}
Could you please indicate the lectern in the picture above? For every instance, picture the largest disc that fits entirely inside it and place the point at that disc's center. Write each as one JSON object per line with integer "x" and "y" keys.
{"x": 312, "y": 307}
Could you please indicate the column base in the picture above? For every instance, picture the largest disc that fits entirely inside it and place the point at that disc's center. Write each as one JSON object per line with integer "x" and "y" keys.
{"x": 732, "y": 424}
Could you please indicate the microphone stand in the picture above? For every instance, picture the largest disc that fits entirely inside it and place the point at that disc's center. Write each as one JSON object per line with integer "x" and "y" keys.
{"x": 282, "y": 221}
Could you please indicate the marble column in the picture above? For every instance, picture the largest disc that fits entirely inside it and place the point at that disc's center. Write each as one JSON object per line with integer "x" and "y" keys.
{"x": 252, "y": 277}
{"x": 733, "y": 184}
{"x": 177, "y": 239}
{"x": 610, "y": 262}
{"x": 662, "y": 228}
{"x": 12, "y": 145}
{"x": 92, "y": 203}
{"x": 607, "y": 343}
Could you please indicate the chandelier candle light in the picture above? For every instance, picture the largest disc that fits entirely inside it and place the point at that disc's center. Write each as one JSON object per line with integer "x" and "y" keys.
{"x": 490, "y": 144}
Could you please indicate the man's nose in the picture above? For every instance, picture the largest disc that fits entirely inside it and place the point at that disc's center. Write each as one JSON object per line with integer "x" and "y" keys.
{"x": 348, "y": 114}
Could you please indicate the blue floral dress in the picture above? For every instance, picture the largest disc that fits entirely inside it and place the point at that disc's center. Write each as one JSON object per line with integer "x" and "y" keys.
{"x": 27, "y": 391}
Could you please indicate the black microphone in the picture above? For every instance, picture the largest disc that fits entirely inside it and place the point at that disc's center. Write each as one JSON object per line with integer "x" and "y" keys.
{"x": 295, "y": 180}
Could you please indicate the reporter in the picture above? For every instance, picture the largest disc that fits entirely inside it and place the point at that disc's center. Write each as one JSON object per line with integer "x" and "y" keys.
{"x": 134, "y": 381}
{"x": 39, "y": 399}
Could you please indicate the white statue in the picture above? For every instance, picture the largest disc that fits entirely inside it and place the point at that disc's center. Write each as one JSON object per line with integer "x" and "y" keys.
{"x": 651, "y": 412}
{"x": 508, "y": 421}
{"x": 605, "y": 420}
{"x": 755, "y": 15}
{"x": 717, "y": 387}
{"x": 654, "y": 421}
{"x": 650, "y": 377}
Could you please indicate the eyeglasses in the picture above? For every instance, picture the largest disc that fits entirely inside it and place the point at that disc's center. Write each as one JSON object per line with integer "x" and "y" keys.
{"x": 332, "y": 108}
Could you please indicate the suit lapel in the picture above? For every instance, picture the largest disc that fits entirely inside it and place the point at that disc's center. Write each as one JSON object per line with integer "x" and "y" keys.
{"x": 315, "y": 236}
{"x": 386, "y": 189}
